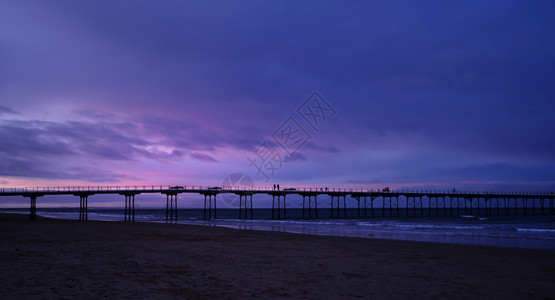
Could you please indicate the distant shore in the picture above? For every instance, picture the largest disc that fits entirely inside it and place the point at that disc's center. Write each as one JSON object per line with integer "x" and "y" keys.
{"x": 51, "y": 258}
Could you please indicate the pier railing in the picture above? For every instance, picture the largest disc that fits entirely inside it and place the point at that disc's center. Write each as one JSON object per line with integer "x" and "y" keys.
{"x": 293, "y": 190}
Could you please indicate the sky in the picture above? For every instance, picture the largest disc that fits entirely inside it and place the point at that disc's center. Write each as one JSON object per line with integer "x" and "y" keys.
{"x": 367, "y": 94}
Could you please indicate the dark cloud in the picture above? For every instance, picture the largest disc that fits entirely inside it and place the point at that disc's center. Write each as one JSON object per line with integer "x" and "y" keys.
{"x": 6, "y": 110}
{"x": 203, "y": 157}
{"x": 49, "y": 169}
{"x": 202, "y": 135}
{"x": 295, "y": 157}
{"x": 325, "y": 149}
{"x": 73, "y": 150}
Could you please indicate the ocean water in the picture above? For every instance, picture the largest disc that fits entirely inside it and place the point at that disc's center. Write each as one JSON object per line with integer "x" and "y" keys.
{"x": 531, "y": 231}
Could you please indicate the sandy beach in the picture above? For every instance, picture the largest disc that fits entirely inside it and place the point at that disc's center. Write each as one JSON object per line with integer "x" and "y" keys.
{"x": 70, "y": 259}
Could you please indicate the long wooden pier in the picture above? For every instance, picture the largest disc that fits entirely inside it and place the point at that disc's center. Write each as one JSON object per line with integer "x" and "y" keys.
{"x": 420, "y": 203}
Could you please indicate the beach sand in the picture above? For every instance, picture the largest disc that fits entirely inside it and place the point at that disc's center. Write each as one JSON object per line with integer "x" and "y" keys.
{"x": 71, "y": 259}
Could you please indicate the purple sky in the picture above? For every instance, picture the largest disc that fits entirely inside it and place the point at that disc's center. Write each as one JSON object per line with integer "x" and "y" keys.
{"x": 427, "y": 94}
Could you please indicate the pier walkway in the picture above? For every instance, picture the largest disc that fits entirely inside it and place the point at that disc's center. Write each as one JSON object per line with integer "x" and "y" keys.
{"x": 415, "y": 203}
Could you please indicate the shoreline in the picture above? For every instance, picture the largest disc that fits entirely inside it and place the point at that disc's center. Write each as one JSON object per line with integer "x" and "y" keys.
{"x": 54, "y": 258}
{"x": 534, "y": 233}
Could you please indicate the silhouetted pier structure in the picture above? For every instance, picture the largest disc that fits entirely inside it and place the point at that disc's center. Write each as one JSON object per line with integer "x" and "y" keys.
{"x": 420, "y": 203}
{"x": 280, "y": 205}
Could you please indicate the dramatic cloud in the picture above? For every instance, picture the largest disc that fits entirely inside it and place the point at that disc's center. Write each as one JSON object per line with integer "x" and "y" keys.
{"x": 427, "y": 94}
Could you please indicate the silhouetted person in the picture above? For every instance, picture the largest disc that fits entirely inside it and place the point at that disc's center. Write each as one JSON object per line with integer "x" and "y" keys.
{"x": 274, "y": 187}
{"x": 278, "y": 187}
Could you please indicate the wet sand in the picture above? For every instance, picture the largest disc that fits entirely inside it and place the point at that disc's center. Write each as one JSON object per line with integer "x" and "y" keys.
{"x": 71, "y": 259}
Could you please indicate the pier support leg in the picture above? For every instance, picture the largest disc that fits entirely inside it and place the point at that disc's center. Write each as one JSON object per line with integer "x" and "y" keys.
{"x": 246, "y": 202}
{"x": 250, "y": 200}
{"x": 175, "y": 199}
{"x": 383, "y": 206}
{"x": 33, "y": 209}
{"x": 372, "y": 205}
{"x": 358, "y": 207}
{"x": 397, "y": 203}
{"x": 132, "y": 207}
{"x": 209, "y": 207}
{"x": 127, "y": 207}
{"x": 171, "y": 207}
{"x": 309, "y": 207}
{"x": 279, "y": 207}
{"x": 80, "y": 208}
{"x": 304, "y": 200}
{"x": 466, "y": 206}
{"x": 390, "y": 207}
{"x": 204, "y": 212}
{"x": 316, "y": 206}
{"x": 215, "y": 208}
{"x": 124, "y": 210}
{"x": 338, "y": 207}
{"x": 345, "y": 206}
{"x": 365, "y": 208}
{"x": 241, "y": 206}
{"x": 284, "y": 208}
{"x": 331, "y": 207}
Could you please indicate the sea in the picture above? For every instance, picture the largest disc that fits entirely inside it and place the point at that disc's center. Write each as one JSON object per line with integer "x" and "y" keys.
{"x": 521, "y": 231}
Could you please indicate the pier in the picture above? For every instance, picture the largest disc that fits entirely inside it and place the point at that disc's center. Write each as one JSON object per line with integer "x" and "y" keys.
{"x": 420, "y": 203}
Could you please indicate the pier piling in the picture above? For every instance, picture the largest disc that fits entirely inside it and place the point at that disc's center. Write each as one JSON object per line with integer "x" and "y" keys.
{"x": 33, "y": 209}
